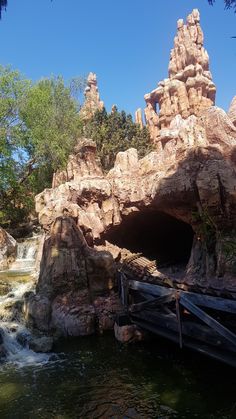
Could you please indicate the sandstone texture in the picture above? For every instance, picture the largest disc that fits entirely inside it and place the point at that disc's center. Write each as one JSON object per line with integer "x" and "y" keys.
{"x": 7, "y": 249}
{"x": 75, "y": 284}
{"x": 129, "y": 333}
{"x": 81, "y": 163}
{"x": 92, "y": 101}
{"x": 193, "y": 178}
{"x": 139, "y": 118}
{"x": 189, "y": 89}
{"x": 232, "y": 111}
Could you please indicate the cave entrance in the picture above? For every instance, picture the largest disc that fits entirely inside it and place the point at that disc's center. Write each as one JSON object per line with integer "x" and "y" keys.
{"x": 156, "y": 235}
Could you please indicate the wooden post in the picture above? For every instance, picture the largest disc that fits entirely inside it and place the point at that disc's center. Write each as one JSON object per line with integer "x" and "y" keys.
{"x": 178, "y": 315}
{"x": 124, "y": 289}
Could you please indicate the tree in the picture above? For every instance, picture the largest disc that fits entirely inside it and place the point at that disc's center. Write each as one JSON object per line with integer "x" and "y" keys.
{"x": 51, "y": 122}
{"x": 228, "y": 4}
{"x": 3, "y": 5}
{"x": 116, "y": 132}
{"x": 39, "y": 125}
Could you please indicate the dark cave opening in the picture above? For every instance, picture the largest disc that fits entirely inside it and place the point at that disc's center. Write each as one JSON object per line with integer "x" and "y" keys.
{"x": 156, "y": 235}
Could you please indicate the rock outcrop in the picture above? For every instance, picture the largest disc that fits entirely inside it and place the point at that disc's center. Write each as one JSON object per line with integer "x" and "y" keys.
{"x": 193, "y": 179}
{"x": 92, "y": 102}
{"x": 188, "y": 184}
{"x": 139, "y": 118}
{"x": 189, "y": 89}
{"x": 7, "y": 249}
{"x": 232, "y": 111}
{"x": 72, "y": 277}
{"x": 82, "y": 162}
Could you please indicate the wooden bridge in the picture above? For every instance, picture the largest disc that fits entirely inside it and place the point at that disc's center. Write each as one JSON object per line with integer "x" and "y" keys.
{"x": 205, "y": 323}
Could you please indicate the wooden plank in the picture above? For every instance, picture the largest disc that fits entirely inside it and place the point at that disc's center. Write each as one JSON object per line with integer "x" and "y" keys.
{"x": 216, "y": 303}
{"x": 179, "y": 320}
{"x": 124, "y": 289}
{"x": 156, "y": 290}
{"x": 201, "y": 348}
{"x": 191, "y": 329}
{"x": 152, "y": 302}
{"x": 222, "y": 330}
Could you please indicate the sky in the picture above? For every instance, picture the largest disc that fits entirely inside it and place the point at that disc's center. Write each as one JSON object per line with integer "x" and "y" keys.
{"x": 126, "y": 43}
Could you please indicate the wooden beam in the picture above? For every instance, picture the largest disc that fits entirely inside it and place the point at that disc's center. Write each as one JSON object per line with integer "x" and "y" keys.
{"x": 201, "y": 348}
{"x": 216, "y": 303}
{"x": 152, "y": 302}
{"x": 191, "y": 329}
{"x": 214, "y": 324}
{"x": 179, "y": 320}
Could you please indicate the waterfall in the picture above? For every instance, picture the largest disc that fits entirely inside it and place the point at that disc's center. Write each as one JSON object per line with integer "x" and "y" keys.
{"x": 14, "y": 335}
{"x": 26, "y": 255}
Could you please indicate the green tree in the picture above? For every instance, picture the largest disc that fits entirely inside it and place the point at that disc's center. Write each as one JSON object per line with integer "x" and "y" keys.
{"x": 116, "y": 132}
{"x": 228, "y": 4}
{"x": 3, "y": 5}
{"x": 51, "y": 122}
{"x": 39, "y": 125}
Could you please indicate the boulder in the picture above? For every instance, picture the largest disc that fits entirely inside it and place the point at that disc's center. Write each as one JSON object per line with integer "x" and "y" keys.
{"x": 106, "y": 309}
{"x": 7, "y": 249}
{"x": 73, "y": 315}
{"x": 72, "y": 274}
{"x": 41, "y": 344}
{"x": 37, "y": 311}
{"x": 128, "y": 333}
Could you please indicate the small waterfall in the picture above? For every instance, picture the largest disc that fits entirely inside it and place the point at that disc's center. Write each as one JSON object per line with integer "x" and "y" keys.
{"x": 14, "y": 335}
{"x": 26, "y": 255}
{"x": 18, "y": 279}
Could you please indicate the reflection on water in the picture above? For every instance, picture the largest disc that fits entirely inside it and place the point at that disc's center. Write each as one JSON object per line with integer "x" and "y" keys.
{"x": 98, "y": 378}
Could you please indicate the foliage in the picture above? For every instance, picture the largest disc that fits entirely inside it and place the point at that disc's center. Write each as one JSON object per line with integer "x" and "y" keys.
{"x": 39, "y": 125}
{"x": 51, "y": 121}
{"x": 229, "y": 249}
{"x": 228, "y": 4}
{"x": 207, "y": 228}
{"x": 3, "y": 5}
{"x": 116, "y": 132}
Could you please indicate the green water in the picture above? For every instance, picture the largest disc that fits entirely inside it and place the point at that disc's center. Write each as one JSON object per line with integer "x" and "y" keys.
{"x": 99, "y": 378}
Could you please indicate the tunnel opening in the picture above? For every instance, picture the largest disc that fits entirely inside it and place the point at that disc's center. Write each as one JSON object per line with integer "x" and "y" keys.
{"x": 157, "y": 235}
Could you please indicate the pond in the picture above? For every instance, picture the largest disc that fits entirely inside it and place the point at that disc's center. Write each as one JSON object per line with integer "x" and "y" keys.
{"x": 96, "y": 377}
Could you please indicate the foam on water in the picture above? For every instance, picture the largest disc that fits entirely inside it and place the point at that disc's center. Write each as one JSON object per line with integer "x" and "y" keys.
{"x": 26, "y": 254}
{"x": 14, "y": 334}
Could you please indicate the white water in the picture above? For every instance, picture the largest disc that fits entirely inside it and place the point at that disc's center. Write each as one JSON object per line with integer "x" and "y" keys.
{"x": 26, "y": 255}
{"x": 12, "y": 329}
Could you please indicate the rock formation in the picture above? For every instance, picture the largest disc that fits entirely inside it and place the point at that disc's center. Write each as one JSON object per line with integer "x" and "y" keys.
{"x": 7, "y": 249}
{"x": 139, "y": 117}
{"x": 232, "y": 111}
{"x": 92, "y": 101}
{"x": 75, "y": 284}
{"x": 193, "y": 179}
{"x": 82, "y": 162}
{"x": 184, "y": 189}
{"x": 189, "y": 89}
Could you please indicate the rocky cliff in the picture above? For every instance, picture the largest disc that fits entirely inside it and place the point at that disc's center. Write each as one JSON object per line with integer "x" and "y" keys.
{"x": 176, "y": 205}
{"x": 189, "y": 89}
{"x": 92, "y": 101}
{"x": 74, "y": 294}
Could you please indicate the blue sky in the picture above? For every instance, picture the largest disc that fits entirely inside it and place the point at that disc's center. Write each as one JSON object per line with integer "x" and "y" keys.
{"x": 126, "y": 42}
